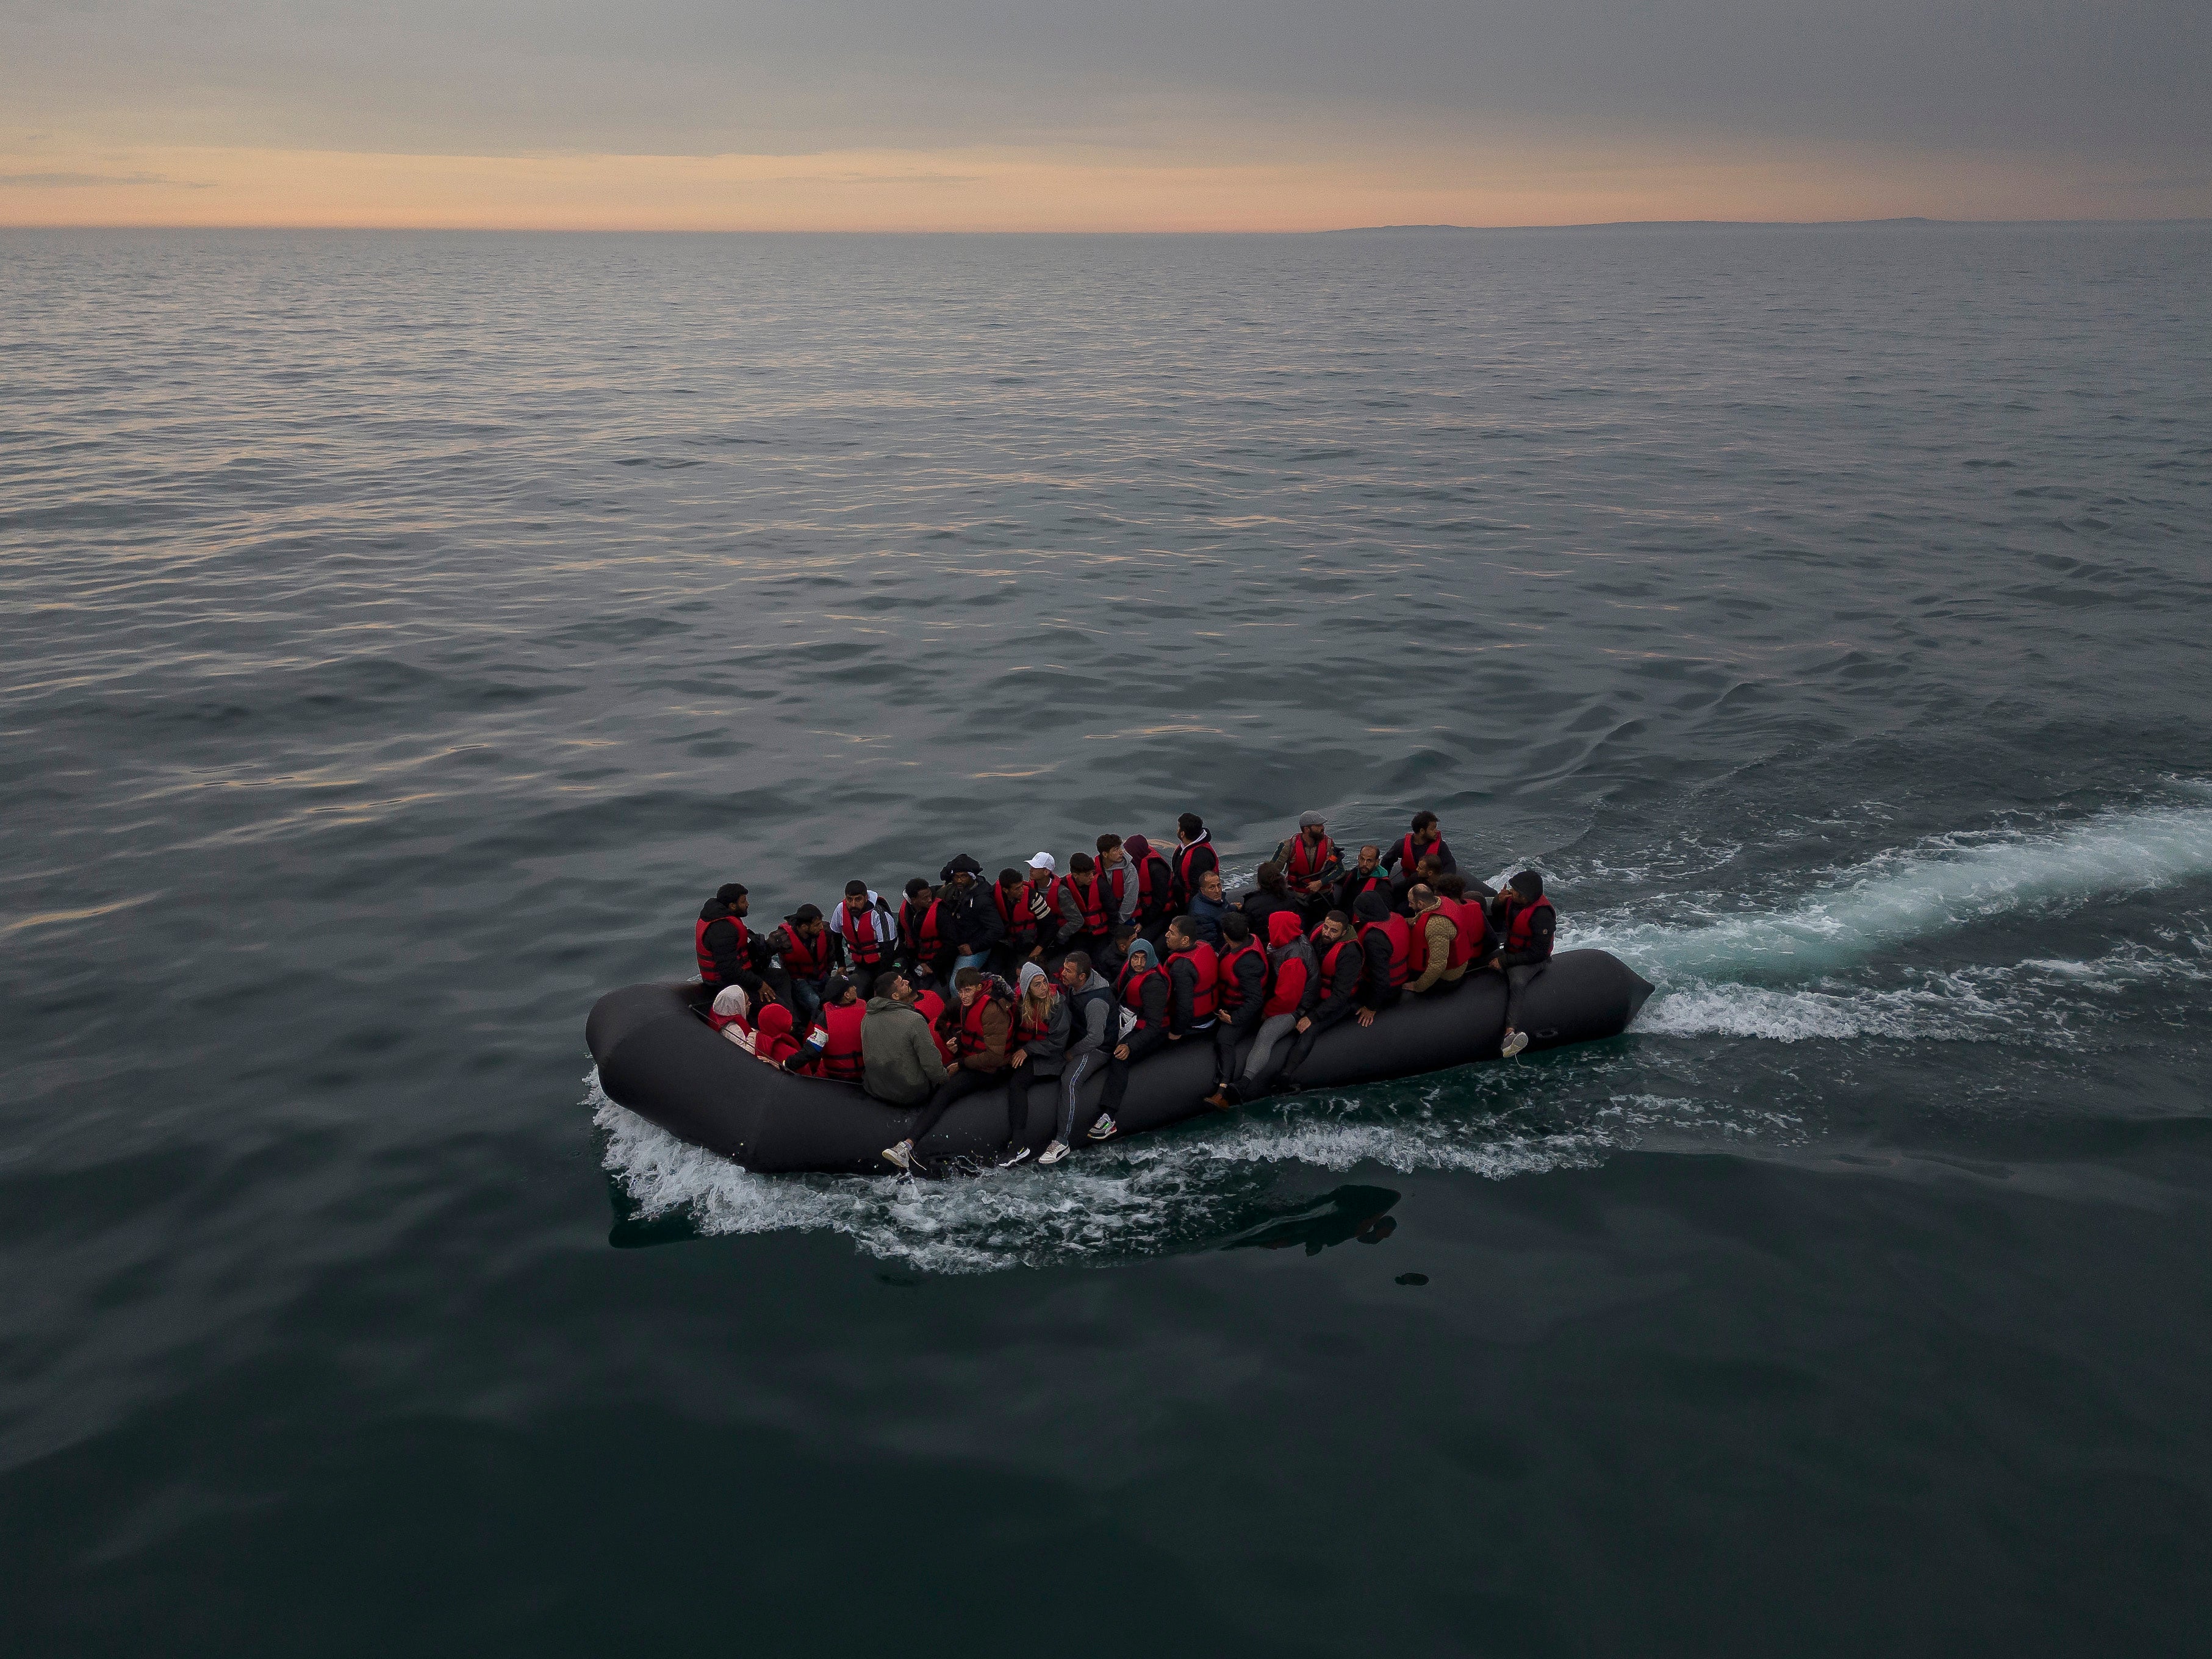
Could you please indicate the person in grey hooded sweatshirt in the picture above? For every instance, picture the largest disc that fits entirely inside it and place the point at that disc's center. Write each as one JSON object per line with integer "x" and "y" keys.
{"x": 1092, "y": 1026}
{"x": 1035, "y": 1051}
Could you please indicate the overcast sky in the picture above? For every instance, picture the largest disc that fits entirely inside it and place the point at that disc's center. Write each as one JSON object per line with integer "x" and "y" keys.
{"x": 1111, "y": 113}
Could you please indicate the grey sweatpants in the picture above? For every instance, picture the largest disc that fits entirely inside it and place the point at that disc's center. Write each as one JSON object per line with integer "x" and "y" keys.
{"x": 1269, "y": 1051}
{"x": 1073, "y": 1070}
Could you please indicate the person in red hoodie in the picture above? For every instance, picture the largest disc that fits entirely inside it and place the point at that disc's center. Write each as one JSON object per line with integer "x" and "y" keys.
{"x": 772, "y": 1038}
{"x": 1297, "y": 981}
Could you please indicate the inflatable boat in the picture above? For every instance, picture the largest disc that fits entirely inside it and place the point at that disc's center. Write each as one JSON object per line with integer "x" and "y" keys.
{"x": 657, "y": 1056}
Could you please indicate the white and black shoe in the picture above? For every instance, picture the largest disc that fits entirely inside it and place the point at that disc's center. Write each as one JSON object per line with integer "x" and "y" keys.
{"x": 1053, "y": 1153}
{"x": 1019, "y": 1155}
{"x": 901, "y": 1154}
{"x": 1513, "y": 1045}
{"x": 1105, "y": 1128}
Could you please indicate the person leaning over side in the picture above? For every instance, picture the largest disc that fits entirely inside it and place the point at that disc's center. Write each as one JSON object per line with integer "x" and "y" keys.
{"x": 1194, "y": 969}
{"x": 1386, "y": 943}
{"x": 1141, "y": 989}
{"x": 1208, "y": 909}
{"x": 1430, "y": 956}
{"x": 1092, "y": 1018}
{"x": 1293, "y": 988}
{"x": 1310, "y": 865}
{"x": 1339, "y": 967}
{"x": 1240, "y": 989}
{"x": 867, "y": 932}
{"x": 1529, "y": 925}
{"x": 1035, "y": 1052}
{"x": 899, "y": 1061}
{"x": 982, "y": 1022}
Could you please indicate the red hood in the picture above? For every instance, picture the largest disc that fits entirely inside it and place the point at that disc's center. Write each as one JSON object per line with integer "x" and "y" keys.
{"x": 1283, "y": 927}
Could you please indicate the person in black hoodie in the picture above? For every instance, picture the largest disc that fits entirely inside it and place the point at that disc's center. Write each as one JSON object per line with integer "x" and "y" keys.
{"x": 1150, "y": 901}
{"x": 967, "y": 919}
{"x": 1271, "y": 895}
{"x": 1239, "y": 993}
{"x": 1342, "y": 967}
{"x": 1528, "y": 922}
{"x": 728, "y": 951}
{"x": 1376, "y": 991}
{"x": 1193, "y": 857}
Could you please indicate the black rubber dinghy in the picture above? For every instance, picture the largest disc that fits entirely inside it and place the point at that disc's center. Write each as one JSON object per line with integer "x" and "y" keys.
{"x": 657, "y": 1057}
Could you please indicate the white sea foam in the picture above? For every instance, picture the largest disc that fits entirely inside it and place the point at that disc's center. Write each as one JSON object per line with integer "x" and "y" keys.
{"x": 1945, "y": 883}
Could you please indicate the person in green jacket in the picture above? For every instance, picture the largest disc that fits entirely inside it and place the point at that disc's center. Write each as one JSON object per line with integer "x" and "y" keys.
{"x": 899, "y": 1062}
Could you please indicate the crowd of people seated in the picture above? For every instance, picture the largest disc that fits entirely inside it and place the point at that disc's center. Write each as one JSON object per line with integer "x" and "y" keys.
{"x": 1046, "y": 977}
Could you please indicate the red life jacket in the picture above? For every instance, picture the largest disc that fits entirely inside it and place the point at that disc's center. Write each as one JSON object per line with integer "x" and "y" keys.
{"x": 1130, "y": 988}
{"x": 1299, "y": 869}
{"x": 1153, "y": 899}
{"x": 972, "y": 1040}
{"x": 1015, "y": 913}
{"x": 1409, "y": 856}
{"x": 1119, "y": 873}
{"x": 1417, "y": 937}
{"x": 1201, "y": 957}
{"x": 933, "y": 1010}
{"x": 861, "y": 941}
{"x": 801, "y": 959}
{"x": 1518, "y": 929}
{"x": 1231, "y": 989}
{"x": 1186, "y": 883}
{"x": 1473, "y": 929}
{"x": 923, "y": 932}
{"x": 1098, "y": 909}
{"x": 1328, "y": 962}
{"x": 1402, "y": 946}
{"x": 716, "y": 1022}
{"x": 1027, "y": 1028}
{"x": 840, "y": 1054}
{"x": 707, "y": 957}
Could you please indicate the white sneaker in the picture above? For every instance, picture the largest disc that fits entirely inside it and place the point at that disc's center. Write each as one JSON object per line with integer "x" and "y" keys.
{"x": 1053, "y": 1153}
{"x": 1105, "y": 1128}
{"x": 1014, "y": 1157}
{"x": 900, "y": 1154}
{"x": 1513, "y": 1045}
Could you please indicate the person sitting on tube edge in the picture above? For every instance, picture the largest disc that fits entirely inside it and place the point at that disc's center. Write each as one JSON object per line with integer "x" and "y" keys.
{"x": 1386, "y": 944}
{"x": 1241, "y": 991}
{"x": 1035, "y": 1052}
{"x": 900, "y": 1062}
{"x": 1271, "y": 897}
{"x": 1193, "y": 857}
{"x": 728, "y": 951}
{"x": 1207, "y": 907}
{"x": 1092, "y": 1029}
{"x": 1150, "y": 902}
{"x": 1529, "y": 923}
{"x": 867, "y": 934}
{"x": 1339, "y": 969}
{"x": 1294, "y": 989}
{"x": 1431, "y": 956}
{"x": 1194, "y": 970}
{"x": 1142, "y": 990}
{"x": 1310, "y": 865}
{"x": 981, "y": 1022}
{"x": 807, "y": 951}
{"x": 966, "y": 916}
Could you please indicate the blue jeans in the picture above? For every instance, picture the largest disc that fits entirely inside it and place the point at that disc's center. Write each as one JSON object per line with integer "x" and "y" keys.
{"x": 958, "y": 962}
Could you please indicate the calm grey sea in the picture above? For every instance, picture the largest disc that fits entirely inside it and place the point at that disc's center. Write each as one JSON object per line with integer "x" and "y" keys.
{"x": 401, "y": 634}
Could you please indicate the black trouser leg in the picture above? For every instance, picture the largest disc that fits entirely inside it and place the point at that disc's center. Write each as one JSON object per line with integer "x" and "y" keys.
{"x": 1018, "y": 1079}
{"x": 1516, "y": 982}
{"x": 1140, "y": 1043}
{"x": 864, "y": 981}
{"x": 1288, "y": 1076}
{"x": 961, "y": 1083}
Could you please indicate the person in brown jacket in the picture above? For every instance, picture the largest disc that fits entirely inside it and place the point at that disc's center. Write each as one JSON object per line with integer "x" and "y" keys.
{"x": 977, "y": 1028}
{"x": 1433, "y": 933}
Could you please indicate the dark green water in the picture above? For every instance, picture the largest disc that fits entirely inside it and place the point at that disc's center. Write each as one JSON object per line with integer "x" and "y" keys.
{"x": 402, "y": 635}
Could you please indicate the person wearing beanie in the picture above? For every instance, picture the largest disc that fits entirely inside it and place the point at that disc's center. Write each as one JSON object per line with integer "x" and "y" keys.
{"x": 1034, "y": 1052}
{"x": 968, "y": 920}
{"x": 1386, "y": 943}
